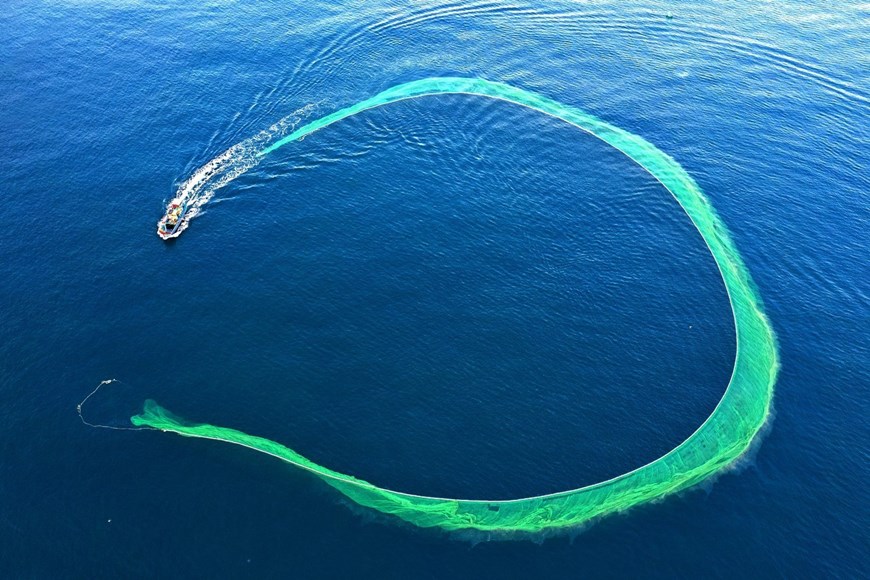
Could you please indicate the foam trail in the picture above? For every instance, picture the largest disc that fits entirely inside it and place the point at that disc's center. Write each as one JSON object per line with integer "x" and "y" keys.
{"x": 723, "y": 438}
{"x": 198, "y": 189}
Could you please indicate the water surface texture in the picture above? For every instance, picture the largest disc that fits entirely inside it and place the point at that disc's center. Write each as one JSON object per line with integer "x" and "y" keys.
{"x": 451, "y": 297}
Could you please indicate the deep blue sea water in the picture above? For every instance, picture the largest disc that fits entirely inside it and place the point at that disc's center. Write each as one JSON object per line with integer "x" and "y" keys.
{"x": 447, "y": 296}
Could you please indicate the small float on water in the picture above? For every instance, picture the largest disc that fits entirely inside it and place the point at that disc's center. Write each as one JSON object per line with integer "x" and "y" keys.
{"x": 169, "y": 225}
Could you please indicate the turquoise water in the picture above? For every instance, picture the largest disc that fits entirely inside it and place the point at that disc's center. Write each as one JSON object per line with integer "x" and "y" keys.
{"x": 448, "y": 297}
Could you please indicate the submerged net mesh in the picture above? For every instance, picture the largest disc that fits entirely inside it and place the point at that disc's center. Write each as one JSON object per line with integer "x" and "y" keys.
{"x": 718, "y": 442}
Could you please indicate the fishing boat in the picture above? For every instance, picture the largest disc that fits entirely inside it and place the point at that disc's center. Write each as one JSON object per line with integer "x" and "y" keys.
{"x": 170, "y": 224}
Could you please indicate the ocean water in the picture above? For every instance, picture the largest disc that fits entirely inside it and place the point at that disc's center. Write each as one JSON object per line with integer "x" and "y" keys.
{"x": 447, "y": 296}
